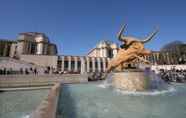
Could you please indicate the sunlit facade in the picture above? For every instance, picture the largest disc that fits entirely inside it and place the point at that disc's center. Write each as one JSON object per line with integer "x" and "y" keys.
{"x": 33, "y": 47}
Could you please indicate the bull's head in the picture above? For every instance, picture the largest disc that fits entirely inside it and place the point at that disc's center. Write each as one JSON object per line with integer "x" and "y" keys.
{"x": 124, "y": 38}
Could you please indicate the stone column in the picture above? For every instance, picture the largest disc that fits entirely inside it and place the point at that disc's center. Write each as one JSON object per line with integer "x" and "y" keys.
{"x": 69, "y": 63}
{"x": 158, "y": 58}
{"x": 105, "y": 52}
{"x": 93, "y": 64}
{"x": 114, "y": 52}
{"x": 155, "y": 58}
{"x": 29, "y": 48}
{"x": 40, "y": 48}
{"x": 108, "y": 61}
{"x": 5, "y": 49}
{"x": 62, "y": 63}
{"x": 75, "y": 64}
{"x": 104, "y": 64}
{"x": 99, "y": 64}
{"x": 82, "y": 65}
{"x": 88, "y": 64}
{"x": 168, "y": 60}
{"x": 45, "y": 48}
{"x": 101, "y": 52}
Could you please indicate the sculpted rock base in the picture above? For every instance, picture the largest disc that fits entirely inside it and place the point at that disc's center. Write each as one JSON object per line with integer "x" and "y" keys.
{"x": 130, "y": 81}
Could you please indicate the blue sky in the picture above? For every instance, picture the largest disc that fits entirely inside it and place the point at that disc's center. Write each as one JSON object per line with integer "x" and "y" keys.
{"x": 76, "y": 26}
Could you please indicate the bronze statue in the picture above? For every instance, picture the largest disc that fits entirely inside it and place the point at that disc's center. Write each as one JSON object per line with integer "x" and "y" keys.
{"x": 131, "y": 50}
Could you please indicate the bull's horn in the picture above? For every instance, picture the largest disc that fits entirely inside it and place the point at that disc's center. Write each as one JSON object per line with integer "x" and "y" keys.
{"x": 150, "y": 36}
{"x": 119, "y": 35}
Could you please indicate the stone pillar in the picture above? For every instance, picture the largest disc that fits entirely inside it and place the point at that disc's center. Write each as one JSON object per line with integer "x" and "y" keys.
{"x": 82, "y": 65}
{"x": 99, "y": 64}
{"x": 75, "y": 64}
{"x": 20, "y": 48}
{"x": 5, "y": 49}
{"x": 62, "y": 63}
{"x": 29, "y": 48}
{"x": 168, "y": 60}
{"x": 93, "y": 64}
{"x": 105, "y": 52}
{"x": 155, "y": 58}
{"x": 114, "y": 52}
{"x": 45, "y": 48}
{"x": 104, "y": 64}
{"x": 108, "y": 61}
{"x": 101, "y": 52}
{"x": 151, "y": 58}
{"x": 69, "y": 63}
{"x": 88, "y": 64}
{"x": 158, "y": 58}
{"x": 40, "y": 48}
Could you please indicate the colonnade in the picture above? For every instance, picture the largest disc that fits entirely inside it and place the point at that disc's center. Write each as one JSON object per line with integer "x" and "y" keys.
{"x": 82, "y": 64}
{"x": 161, "y": 58}
{"x": 5, "y": 47}
{"x": 86, "y": 64}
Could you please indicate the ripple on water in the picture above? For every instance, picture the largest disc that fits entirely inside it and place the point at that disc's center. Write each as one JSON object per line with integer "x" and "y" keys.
{"x": 26, "y": 116}
{"x": 150, "y": 93}
{"x": 169, "y": 89}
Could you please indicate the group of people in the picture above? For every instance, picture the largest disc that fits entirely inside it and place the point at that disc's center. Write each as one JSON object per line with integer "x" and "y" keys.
{"x": 96, "y": 76}
{"x": 173, "y": 75}
{"x": 27, "y": 71}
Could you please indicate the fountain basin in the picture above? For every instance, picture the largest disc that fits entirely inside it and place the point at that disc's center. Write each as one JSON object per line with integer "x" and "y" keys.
{"x": 94, "y": 101}
{"x": 130, "y": 81}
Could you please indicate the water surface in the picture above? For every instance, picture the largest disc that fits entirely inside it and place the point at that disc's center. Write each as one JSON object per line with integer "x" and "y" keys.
{"x": 19, "y": 104}
{"x": 93, "y": 100}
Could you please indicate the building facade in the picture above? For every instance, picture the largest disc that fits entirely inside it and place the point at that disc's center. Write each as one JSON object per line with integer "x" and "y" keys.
{"x": 35, "y": 48}
{"x": 33, "y": 43}
{"x": 104, "y": 49}
{"x": 5, "y": 47}
{"x": 96, "y": 60}
{"x": 82, "y": 64}
{"x": 174, "y": 55}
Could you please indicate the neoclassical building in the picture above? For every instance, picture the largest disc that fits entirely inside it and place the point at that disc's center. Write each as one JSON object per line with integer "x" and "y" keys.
{"x": 5, "y": 47}
{"x": 173, "y": 55}
{"x": 82, "y": 64}
{"x": 35, "y": 48}
{"x": 28, "y": 43}
{"x": 104, "y": 48}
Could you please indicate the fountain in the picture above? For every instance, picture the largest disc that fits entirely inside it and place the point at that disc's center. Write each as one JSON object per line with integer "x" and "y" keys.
{"x": 132, "y": 51}
{"x": 139, "y": 92}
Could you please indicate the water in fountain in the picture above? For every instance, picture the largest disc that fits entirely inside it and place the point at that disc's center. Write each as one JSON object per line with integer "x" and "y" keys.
{"x": 156, "y": 85}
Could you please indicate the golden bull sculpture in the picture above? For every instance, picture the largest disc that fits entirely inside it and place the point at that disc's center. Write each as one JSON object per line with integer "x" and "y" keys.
{"x": 132, "y": 49}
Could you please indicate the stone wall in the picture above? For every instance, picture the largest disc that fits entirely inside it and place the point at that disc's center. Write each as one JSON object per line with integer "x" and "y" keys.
{"x": 10, "y": 81}
{"x": 42, "y": 60}
{"x": 47, "y": 108}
